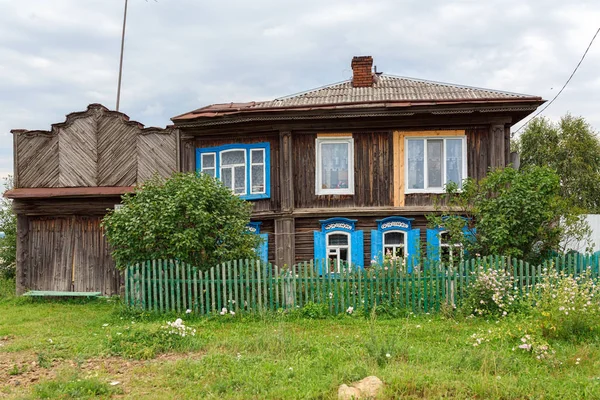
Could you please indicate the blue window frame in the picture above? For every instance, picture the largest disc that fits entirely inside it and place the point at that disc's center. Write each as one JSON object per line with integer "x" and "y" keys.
{"x": 340, "y": 243}
{"x": 394, "y": 236}
{"x": 440, "y": 250}
{"x": 244, "y": 168}
{"x": 262, "y": 251}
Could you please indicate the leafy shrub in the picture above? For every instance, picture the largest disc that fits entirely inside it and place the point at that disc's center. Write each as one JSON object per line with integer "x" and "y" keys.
{"x": 315, "y": 311}
{"x": 491, "y": 294}
{"x": 567, "y": 307}
{"x": 8, "y": 243}
{"x": 189, "y": 217}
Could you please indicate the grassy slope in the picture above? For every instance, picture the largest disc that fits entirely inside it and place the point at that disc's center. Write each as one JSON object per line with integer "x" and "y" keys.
{"x": 429, "y": 357}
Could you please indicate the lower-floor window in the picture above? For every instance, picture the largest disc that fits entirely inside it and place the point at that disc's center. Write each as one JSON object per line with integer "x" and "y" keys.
{"x": 338, "y": 251}
{"x": 394, "y": 244}
{"x": 338, "y": 245}
{"x": 449, "y": 252}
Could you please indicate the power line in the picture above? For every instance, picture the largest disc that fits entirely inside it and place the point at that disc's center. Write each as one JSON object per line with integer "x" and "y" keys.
{"x": 564, "y": 86}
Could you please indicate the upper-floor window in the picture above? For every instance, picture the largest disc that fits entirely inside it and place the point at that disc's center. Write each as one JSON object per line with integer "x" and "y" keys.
{"x": 335, "y": 165}
{"x": 433, "y": 162}
{"x": 244, "y": 168}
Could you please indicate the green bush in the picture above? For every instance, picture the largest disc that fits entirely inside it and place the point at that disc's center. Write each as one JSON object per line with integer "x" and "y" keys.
{"x": 492, "y": 293}
{"x": 8, "y": 243}
{"x": 568, "y": 307}
{"x": 188, "y": 217}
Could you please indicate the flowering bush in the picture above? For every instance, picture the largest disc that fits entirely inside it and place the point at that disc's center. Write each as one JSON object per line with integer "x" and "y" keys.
{"x": 539, "y": 348}
{"x": 568, "y": 307}
{"x": 491, "y": 294}
{"x": 177, "y": 327}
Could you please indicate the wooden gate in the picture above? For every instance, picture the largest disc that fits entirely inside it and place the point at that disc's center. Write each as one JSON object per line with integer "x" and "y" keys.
{"x": 70, "y": 254}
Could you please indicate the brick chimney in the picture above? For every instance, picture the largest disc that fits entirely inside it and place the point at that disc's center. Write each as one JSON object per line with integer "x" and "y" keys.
{"x": 362, "y": 75}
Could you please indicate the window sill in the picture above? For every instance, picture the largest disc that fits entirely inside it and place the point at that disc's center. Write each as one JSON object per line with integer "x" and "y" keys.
{"x": 428, "y": 191}
{"x": 255, "y": 196}
{"x": 335, "y": 193}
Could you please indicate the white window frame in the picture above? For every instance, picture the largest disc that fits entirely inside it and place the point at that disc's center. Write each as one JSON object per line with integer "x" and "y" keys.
{"x": 338, "y": 247}
{"x": 214, "y": 167}
{"x": 452, "y": 248}
{"x": 404, "y": 242}
{"x": 233, "y": 167}
{"x": 426, "y": 189}
{"x": 318, "y": 168}
{"x": 264, "y": 165}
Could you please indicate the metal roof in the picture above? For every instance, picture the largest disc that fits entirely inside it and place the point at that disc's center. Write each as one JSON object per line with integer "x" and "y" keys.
{"x": 389, "y": 88}
{"x": 88, "y": 191}
{"x": 387, "y": 91}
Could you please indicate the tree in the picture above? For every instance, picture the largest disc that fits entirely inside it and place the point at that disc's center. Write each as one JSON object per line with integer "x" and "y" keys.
{"x": 513, "y": 213}
{"x": 8, "y": 243}
{"x": 188, "y": 217}
{"x": 572, "y": 149}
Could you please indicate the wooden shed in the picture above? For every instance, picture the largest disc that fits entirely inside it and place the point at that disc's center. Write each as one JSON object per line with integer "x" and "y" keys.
{"x": 65, "y": 181}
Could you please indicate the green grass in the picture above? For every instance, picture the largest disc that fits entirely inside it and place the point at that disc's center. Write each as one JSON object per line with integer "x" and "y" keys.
{"x": 278, "y": 357}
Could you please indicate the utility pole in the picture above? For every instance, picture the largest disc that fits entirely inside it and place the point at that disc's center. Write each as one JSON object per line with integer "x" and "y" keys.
{"x": 121, "y": 61}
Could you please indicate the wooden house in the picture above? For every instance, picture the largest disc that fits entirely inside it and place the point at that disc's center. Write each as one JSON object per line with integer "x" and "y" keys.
{"x": 346, "y": 172}
{"x": 65, "y": 180}
{"x": 349, "y": 171}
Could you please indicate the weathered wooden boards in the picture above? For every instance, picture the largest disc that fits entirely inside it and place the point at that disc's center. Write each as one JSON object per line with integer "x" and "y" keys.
{"x": 96, "y": 147}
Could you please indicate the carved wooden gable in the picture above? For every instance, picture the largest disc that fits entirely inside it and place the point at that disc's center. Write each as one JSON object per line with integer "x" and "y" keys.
{"x": 97, "y": 147}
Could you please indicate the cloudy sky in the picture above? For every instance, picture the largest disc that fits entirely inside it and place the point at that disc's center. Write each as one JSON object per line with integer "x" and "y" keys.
{"x": 57, "y": 56}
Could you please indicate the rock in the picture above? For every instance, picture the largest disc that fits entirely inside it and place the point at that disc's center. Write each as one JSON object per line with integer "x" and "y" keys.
{"x": 369, "y": 386}
{"x": 366, "y": 388}
{"x": 346, "y": 392}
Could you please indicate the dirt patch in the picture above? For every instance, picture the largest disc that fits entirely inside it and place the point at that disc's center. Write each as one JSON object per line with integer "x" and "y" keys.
{"x": 22, "y": 369}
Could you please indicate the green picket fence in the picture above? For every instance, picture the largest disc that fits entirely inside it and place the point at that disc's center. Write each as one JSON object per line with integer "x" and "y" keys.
{"x": 251, "y": 285}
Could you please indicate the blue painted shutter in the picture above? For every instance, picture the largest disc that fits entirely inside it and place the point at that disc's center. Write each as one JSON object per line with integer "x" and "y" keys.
{"x": 263, "y": 248}
{"x": 376, "y": 246}
{"x": 414, "y": 248}
{"x": 319, "y": 246}
{"x": 433, "y": 245}
{"x": 470, "y": 236}
{"x": 358, "y": 254}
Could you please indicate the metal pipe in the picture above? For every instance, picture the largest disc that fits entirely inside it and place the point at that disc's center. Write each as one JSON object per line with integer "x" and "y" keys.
{"x": 121, "y": 61}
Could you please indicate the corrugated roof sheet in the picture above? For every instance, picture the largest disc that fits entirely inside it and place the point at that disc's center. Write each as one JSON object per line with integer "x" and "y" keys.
{"x": 388, "y": 88}
{"x": 387, "y": 91}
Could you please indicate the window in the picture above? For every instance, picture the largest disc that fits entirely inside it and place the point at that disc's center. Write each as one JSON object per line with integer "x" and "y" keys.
{"x": 338, "y": 245}
{"x": 394, "y": 244}
{"x": 262, "y": 251}
{"x": 243, "y": 168}
{"x": 335, "y": 166}
{"x": 338, "y": 251}
{"x": 449, "y": 253}
{"x": 395, "y": 237}
{"x": 431, "y": 163}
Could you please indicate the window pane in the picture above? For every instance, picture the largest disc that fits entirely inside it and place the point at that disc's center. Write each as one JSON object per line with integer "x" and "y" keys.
{"x": 454, "y": 161}
{"x": 226, "y": 177}
{"x": 258, "y": 179}
{"x": 344, "y": 256}
{"x": 393, "y": 238}
{"x": 334, "y": 165}
{"x": 434, "y": 162}
{"x": 257, "y": 156}
{"x": 233, "y": 157}
{"x": 209, "y": 171}
{"x": 208, "y": 161}
{"x": 338, "y": 239}
{"x": 240, "y": 180}
{"x": 416, "y": 154}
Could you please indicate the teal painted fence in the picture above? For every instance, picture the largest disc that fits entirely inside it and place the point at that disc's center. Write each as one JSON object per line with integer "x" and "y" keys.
{"x": 252, "y": 285}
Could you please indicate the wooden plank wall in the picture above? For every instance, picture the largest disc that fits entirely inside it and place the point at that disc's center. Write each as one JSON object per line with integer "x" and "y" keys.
{"x": 372, "y": 166}
{"x": 97, "y": 147}
{"x": 70, "y": 253}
